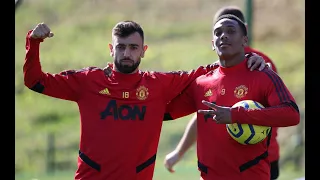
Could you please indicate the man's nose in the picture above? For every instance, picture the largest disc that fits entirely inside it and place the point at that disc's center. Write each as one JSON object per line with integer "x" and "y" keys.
{"x": 224, "y": 36}
{"x": 127, "y": 52}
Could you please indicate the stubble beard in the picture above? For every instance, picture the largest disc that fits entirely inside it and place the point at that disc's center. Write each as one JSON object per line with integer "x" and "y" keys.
{"x": 126, "y": 69}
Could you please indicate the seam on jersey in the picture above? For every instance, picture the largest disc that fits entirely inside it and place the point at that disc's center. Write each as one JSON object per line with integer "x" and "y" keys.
{"x": 89, "y": 162}
{"x": 145, "y": 164}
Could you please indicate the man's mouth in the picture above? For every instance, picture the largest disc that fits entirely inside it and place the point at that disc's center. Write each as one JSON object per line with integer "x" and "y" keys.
{"x": 225, "y": 45}
{"x": 126, "y": 61}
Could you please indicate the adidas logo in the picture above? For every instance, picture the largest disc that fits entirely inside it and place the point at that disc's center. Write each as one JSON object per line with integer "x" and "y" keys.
{"x": 208, "y": 93}
{"x": 104, "y": 91}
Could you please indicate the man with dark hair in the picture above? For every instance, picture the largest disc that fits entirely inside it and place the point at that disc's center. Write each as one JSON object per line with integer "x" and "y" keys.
{"x": 212, "y": 95}
{"x": 189, "y": 136}
{"x": 123, "y": 30}
{"x": 121, "y": 110}
{"x": 237, "y": 12}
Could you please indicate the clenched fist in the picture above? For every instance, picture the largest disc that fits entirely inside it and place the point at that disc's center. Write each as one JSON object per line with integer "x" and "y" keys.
{"x": 41, "y": 31}
{"x": 170, "y": 160}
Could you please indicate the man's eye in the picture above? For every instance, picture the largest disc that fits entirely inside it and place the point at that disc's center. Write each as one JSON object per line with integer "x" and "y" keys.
{"x": 231, "y": 31}
{"x": 121, "y": 47}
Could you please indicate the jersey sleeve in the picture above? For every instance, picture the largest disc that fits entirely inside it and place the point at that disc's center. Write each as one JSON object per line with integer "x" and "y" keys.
{"x": 176, "y": 81}
{"x": 282, "y": 110}
{"x": 180, "y": 106}
{"x": 66, "y": 85}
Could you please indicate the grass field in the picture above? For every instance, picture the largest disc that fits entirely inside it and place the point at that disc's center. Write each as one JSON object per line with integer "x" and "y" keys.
{"x": 179, "y": 37}
{"x": 184, "y": 171}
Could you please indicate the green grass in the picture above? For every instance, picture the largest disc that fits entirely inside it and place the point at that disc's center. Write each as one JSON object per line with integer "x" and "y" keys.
{"x": 179, "y": 37}
{"x": 184, "y": 171}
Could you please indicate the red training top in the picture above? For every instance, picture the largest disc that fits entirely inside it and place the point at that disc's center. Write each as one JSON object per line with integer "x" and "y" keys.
{"x": 221, "y": 157}
{"x": 274, "y": 152}
{"x": 121, "y": 114}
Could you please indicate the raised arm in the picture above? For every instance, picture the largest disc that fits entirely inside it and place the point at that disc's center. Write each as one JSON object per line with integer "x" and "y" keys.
{"x": 65, "y": 85}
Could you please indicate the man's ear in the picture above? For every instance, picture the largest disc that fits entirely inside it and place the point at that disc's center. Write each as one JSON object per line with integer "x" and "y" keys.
{"x": 111, "y": 50}
{"x": 245, "y": 41}
{"x": 212, "y": 45}
{"x": 145, "y": 47}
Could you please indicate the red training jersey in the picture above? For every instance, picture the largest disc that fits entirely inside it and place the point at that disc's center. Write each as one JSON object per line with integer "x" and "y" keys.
{"x": 274, "y": 152}
{"x": 121, "y": 114}
{"x": 219, "y": 156}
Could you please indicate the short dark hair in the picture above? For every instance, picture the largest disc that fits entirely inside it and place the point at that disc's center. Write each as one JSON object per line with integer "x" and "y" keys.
{"x": 126, "y": 28}
{"x": 234, "y": 10}
{"x": 233, "y": 17}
